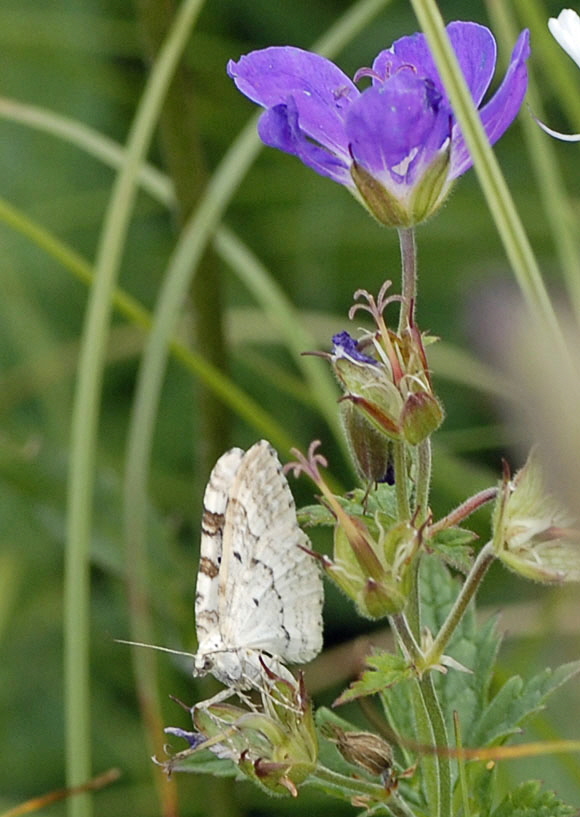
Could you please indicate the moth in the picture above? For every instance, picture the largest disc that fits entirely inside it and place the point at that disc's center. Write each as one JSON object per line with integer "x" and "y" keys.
{"x": 259, "y": 591}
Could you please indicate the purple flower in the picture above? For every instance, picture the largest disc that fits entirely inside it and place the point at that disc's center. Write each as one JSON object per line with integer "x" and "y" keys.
{"x": 396, "y": 144}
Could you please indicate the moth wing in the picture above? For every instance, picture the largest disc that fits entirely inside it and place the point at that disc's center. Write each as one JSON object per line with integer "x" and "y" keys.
{"x": 215, "y": 501}
{"x": 270, "y": 590}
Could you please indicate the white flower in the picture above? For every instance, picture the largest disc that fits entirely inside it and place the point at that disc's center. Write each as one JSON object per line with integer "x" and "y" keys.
{"x": 566, "y": 31}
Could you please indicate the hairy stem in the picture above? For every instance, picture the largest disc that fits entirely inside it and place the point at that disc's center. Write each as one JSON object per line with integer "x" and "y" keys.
{"x": 470, "y": 587}
{"x": 401, "y": 481}
{"x": 423, "y": 481}
{"x": 464, "y": 510}
{"x": 409, "y": 276}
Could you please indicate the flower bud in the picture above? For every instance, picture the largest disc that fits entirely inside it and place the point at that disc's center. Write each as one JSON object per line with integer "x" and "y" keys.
{"x": 275, "y": 746}
{"x": 534, "y": 534}
{"x": 391, "y": 391}
{"x": 370, "y": 450}
{"x": 422, "y": 415}
{"x": 364, "y": 749}
{"x": 378, "y": 580}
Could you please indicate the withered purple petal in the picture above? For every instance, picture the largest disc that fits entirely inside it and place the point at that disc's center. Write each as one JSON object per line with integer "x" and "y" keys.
{"x": 344, "y": 345}
{"x": 194, "y": 739}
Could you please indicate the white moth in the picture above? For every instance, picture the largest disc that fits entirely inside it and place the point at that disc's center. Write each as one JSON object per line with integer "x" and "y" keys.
{"x": 259, "y": 594}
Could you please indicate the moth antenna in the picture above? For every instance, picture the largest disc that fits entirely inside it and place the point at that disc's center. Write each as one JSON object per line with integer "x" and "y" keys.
{"x": 154, "y": 647}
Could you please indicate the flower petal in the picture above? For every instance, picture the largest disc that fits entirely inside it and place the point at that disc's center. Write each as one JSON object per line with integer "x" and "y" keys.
{"x": 279, "y": 128}
{"x": 392, "y": 123}
{"x": 322, "y": 92}
{"x": 473, "y": 44}
{"x": 563, "y": 137}
{"x": 566, "y": 31}
{"x": 501, "y": 110}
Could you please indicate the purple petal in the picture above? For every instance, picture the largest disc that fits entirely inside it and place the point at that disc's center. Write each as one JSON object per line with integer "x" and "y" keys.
{"x": 475, "y": 48}
{"x": 322, "y": 92}
{"x": 501, "y": 110}
{"x": 477, "y": 55}
{"x": 396, "y": 121}
{"x": 194, "y": 739}
{"x": 279, "y": 128}
{"x": 344, "y": 345}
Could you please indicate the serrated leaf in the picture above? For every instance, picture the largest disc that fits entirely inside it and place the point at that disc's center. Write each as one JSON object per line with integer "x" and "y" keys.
{"x": 453, "y": 546}
{"x": 473, "y": 645}
{"x": 516, "y": 701}
{"x": 528, "y": 800}
{"x": 385, "y": 670}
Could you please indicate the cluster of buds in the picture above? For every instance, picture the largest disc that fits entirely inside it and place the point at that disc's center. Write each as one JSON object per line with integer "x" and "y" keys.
{"x": 275, "y": 746}
{"x": 534, "y": 534}
{"x": 388, "y": 395}
{"x": 373, "y": 559}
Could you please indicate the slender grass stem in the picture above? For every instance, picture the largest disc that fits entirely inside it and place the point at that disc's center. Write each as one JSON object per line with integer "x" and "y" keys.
{"x": 85, "y": 415}
{"x": 495, "y": 189}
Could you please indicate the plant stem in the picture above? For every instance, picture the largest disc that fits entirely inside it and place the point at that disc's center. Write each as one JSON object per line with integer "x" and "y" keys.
{"x": 401, "y": 481}
{"x": 332, "y": 781}
{"x": 408, "y": 641}
{"x": 423, "y": 481}
{"x": 470, "y": 586}
{"x": 340, "y": 785}
{"x": 495, "y": 189}
{"x": 409, "y": 276}
{"x": 464, "y": 510}
{"x": 443, "y": 762}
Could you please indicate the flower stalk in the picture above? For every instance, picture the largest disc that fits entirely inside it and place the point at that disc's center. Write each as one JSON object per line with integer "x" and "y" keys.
{"x": 468, "y": 590}
{"x": 408, "y": 248}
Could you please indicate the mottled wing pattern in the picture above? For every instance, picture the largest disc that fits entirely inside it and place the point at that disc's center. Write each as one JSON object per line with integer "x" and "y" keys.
{"x": 215, "y": 501}
{"x": 270, "y": 590}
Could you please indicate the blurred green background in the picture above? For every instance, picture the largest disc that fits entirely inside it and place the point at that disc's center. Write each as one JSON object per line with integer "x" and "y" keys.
{"x": 88, "y": 61}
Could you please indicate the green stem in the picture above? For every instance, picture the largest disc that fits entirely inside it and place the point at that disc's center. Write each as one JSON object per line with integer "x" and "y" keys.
{"x": 401, "y": 481}
{"x": 409, "y": 276}
{"x": 484, "y": 559}
{"x": 430, "y": 722}
{"x": 423, "y": 481}
{"x": 464, "y": 510}
{"x": 85, "y": 414}
{"x": 495, "y": 189}
{"x": 343, "y": 786}
{"x": 184, "y": 156}
{"x": 442, "y": 761}
{"x": 406, "y": 637}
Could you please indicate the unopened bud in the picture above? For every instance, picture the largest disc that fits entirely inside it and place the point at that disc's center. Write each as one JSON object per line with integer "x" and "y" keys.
{"x": 422, "y": 415}
{"x": 364, "y": 749}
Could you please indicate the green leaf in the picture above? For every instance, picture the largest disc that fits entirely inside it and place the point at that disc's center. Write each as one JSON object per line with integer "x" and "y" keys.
{"x": 385, "y": 670}
{"x": 516, "y": 701}
{"x": 529, "y": 801}
{"x": 315, "y": 515}
{"x": 379, "y": 504}
{"x": 473, "y": 645}
{"x": 452, "y": 545}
